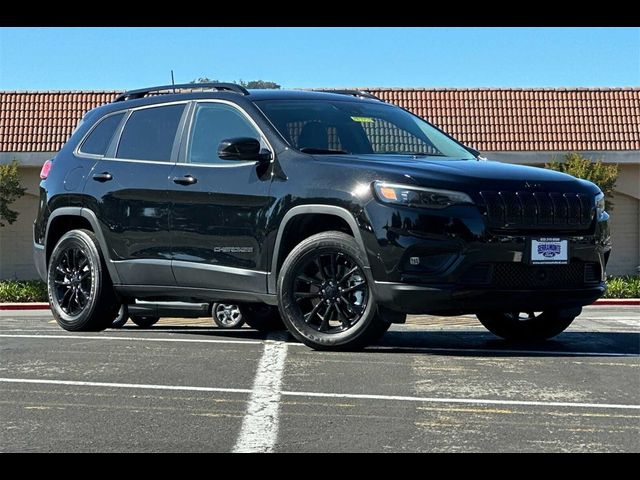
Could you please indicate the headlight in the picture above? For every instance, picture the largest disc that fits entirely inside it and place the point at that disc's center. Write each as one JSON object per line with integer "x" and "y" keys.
{"x": 599, "y": 205}
{"x": 418, "y": 196}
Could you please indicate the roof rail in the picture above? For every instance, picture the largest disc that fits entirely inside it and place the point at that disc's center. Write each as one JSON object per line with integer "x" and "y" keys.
{"x": 133, "y": 94}
{"x": 353, "y": 93}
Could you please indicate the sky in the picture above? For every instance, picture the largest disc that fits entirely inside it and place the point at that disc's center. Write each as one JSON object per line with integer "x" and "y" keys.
{"x": 128, "y": 58}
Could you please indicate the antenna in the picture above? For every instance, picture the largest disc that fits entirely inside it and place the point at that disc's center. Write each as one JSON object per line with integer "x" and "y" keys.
{"x": 173, "y": 81}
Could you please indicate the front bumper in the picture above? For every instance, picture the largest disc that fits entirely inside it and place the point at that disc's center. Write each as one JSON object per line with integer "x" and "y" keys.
{"x": 452, "y": 300}
{"x": 450, "y": 262}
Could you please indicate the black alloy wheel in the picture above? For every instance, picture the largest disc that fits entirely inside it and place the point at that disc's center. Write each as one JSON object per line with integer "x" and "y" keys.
{"x": 80, "y": 291}
{"x": 72, "y": 281}
{"x": 325, "y": 294}
{"x": 331, "y": 291}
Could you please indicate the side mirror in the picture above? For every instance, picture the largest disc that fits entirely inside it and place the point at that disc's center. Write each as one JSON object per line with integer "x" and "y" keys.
{"x": 242, "y": 148}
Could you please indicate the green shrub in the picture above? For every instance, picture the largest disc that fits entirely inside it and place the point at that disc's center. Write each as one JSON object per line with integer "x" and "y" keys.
{"x": 604, "y": 176}
{"x": 623, "y": 287}
{"x": 23, "y": 291}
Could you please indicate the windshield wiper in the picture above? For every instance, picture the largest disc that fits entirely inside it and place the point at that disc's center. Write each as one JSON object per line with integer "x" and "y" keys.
{"x": 321, "y": 151}
{"x": 416, "y": 154}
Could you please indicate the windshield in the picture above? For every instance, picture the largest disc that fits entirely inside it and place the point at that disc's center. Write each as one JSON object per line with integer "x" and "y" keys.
{"x": 353, "y": 127}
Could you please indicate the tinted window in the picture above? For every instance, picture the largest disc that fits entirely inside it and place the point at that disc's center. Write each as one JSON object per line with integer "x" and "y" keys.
{"x": 357, "y": 127}
{"x": 149, "y": 133}
{"x": 212, "y": 123}
{"x": 98, "y": 141}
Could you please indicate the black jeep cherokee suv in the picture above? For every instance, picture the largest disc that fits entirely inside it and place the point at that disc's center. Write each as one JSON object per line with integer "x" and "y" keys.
{"x": 333, "y": 212}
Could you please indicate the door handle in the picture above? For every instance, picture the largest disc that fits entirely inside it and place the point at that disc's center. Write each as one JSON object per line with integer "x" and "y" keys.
{"x": 103, "y": 177}
{"x": 186, "y": 180}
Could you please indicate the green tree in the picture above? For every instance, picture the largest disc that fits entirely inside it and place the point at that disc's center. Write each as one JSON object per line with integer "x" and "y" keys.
{"x": 203, "y": 80}
{"x": 605, "y": 176}
{"x": 250, "y": 84}
{"x": 10, "y": 190}
{"x": 260, "y": 84}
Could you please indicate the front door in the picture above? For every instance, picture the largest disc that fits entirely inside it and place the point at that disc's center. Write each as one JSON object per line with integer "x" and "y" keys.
{"x": 219, "y": 207}
{"x": 129, "y": 194}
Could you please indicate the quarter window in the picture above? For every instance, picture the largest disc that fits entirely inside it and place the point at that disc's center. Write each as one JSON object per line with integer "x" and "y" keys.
{"x": 212, "y": 123}
{"x": 149, "y": 133}
{"x": 99, "y": 139}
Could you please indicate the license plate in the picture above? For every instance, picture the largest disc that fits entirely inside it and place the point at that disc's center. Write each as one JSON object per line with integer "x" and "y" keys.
{"x": 549, "y": 251}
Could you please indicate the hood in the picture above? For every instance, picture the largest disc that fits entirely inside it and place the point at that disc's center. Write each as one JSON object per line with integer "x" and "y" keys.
{"x": 465, "y": 175}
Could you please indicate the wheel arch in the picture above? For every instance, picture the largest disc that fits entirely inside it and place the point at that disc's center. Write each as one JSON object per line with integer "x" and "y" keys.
{"x": 328, "y": 217}
{"x": 64, "y": 219}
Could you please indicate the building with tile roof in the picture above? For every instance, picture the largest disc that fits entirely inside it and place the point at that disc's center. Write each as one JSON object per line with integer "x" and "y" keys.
{"x": 516, "y": 125}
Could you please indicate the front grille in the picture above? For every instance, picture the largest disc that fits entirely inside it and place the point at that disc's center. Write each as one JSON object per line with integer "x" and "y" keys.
{"x": 538, "y": 210}
{"x": 521, "y": 276}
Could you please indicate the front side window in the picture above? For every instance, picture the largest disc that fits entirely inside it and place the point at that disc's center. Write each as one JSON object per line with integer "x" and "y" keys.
{"x": 149, "y": 133}
{"x": 212, "y": 123}
{"x": 100, "y": 137}
{"x": 355, "y": 127}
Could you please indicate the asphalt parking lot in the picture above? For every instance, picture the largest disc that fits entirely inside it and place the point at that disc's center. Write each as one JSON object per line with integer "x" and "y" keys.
{"x": 433, "y": 385}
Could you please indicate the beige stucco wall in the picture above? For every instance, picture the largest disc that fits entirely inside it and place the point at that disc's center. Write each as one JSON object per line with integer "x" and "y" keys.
{"x": 16, "y": 259}
{"x": 625, "y": 236}
{"x": 16, "y": 246}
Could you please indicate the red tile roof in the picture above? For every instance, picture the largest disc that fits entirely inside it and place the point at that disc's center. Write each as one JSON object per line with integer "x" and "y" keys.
{"x": 487, "y": 119}
{"x": 43, "y": 121}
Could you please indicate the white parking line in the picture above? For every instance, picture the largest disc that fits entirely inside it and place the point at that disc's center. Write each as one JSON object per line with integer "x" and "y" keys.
{"x": 141, "y": 386}
{"x": 135, "y": 339}
{"x": 259, "y": 430}
{"x": 473, "y": 401}
{"x": 271, "y": 433}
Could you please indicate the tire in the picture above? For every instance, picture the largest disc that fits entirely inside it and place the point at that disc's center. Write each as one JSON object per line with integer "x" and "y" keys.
{"x": 78, "y": 284}
{"x": 121, "y": 317}
{"x": 528, "y": 326}
{"x": 262, "y": 317}
{"x": 144, "y": 321}
{"x": 329, "y": 269}
{"x": 227, "y": 315}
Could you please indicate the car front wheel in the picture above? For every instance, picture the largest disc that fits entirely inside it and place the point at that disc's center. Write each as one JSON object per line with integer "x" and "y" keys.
{"x": 325, "y": 296}
{"x": 528, "y": 326}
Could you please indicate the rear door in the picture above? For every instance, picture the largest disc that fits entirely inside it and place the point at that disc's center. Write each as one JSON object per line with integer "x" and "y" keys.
{"x": 219, "y": 206}
{"x": 129, "y": 194}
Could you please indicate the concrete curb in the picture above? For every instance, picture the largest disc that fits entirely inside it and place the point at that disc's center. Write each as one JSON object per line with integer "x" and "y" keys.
{"x": 618, "y": 301}
{"x": 24, "y": 306}
{"x": 45, "y": 306}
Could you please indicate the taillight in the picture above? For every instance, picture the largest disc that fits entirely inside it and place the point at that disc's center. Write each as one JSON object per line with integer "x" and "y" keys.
{"x": 46, "y": 168}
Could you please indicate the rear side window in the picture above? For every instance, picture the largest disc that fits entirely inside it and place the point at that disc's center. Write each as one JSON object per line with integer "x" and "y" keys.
{"x": 99, "y": 139}
{"x": 149, "y": 133}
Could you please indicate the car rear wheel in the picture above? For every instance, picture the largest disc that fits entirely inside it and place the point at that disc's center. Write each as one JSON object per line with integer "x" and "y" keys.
{"x": 78, "y": 284}
{"x": 144, "y": 321}
{"x": 262, "y": 317}
{"x": 528, "y": 326}
{"x": 227, "y": 315}
{"x": 325, "y": 295}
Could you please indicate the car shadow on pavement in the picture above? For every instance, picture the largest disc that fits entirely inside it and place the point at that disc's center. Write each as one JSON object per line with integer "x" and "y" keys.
{"x": 470, "y": 343}
{"x": 235, "y": 333}
{"x": 474, "y": 343}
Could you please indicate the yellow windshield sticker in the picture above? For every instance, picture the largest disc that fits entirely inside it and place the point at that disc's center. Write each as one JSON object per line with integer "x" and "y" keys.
{"x": 362, "y": 119}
